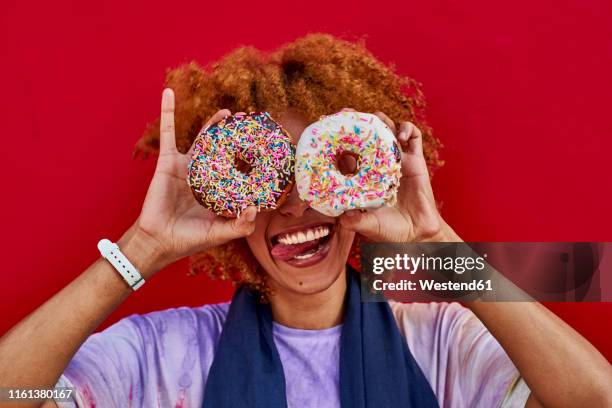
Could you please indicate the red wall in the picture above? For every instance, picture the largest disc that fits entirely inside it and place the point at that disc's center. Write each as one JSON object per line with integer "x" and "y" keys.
{"x": 519, "y": 93}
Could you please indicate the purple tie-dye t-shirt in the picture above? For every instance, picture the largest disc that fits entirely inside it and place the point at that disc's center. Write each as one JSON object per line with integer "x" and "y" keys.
{"x": 162, "y": 359}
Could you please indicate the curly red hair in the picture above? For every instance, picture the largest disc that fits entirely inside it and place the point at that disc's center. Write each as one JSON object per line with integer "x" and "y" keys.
{"x": 314, "y": 75}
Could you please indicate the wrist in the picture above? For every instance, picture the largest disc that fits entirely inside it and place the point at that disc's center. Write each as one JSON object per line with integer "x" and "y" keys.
{"x": 143, "y": 251}
{"x": 446, "y": 234}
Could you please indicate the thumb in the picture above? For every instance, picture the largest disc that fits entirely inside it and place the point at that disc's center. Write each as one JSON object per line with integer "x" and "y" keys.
{"x": 364, "y": 223}
{"x": 240, "y": 226}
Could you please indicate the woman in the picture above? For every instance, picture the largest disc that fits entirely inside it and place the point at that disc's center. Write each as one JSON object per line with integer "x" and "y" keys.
{"x": 310, "y": 343}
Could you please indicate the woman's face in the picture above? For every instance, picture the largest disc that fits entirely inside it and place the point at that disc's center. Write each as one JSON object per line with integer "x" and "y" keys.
{"x": 301, "y": 249}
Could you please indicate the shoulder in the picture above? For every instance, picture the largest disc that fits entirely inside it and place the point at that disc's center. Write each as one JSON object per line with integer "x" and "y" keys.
{"x": 419, "y": 310}
{"x": 169, "y": 351}
{"x": 142, "y": 339}
{"x": 153, "y": 332}
{"x": 203, "y": 319}
{"x": 458, "y": 355}
{"x": 175, "y": 330}
{"x": 444, "y": 328}
{"x": 432, "y": 317}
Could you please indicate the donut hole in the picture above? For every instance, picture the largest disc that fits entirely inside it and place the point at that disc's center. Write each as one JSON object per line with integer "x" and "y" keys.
{"x": 242, "y": 165}
{"x": 347, "y": 163}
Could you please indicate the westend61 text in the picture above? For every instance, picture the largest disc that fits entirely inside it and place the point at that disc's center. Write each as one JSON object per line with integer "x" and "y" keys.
{"x": 429, "y": 285}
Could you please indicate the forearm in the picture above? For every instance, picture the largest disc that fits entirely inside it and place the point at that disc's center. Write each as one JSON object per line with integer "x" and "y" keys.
{"x": 560, "y": 366}
{"x": 35, "y": 352}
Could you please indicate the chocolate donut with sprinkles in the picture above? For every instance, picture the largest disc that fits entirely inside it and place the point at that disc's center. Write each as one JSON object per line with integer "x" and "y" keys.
{"x": 243, "y": 160}
{"x": 369, "y": 141}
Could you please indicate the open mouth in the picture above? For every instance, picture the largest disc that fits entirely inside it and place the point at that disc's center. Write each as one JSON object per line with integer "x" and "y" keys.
{"x": 303, "y": 246}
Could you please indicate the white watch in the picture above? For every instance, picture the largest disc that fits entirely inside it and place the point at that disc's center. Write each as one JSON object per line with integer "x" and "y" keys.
{"x": 111, "y": 252}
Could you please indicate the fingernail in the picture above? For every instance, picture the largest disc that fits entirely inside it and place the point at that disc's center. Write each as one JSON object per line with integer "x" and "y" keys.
{"x": 168, "y": 99}
{"x": 403, "y": 136}
{"x": 250, "y": 216}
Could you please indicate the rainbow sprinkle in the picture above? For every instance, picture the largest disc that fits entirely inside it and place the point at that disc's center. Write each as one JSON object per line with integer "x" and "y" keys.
{"x": 255, "y": 139}
{"x": 324, "y": 187}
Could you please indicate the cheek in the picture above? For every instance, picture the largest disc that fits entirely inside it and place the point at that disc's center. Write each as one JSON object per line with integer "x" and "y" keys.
{"x": 261, "y": 225}
{"x": 345, "y": 241}
{"x": 257, "y": 240}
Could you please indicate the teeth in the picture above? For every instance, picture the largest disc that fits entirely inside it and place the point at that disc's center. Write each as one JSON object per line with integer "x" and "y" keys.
{"x": 302, "y": 237}
{"x": 306, "y": 256}
{"x": 299, "y": 237}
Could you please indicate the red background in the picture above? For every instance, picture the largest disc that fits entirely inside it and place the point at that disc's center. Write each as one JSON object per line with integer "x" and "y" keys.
{"x": 518, "y": 92}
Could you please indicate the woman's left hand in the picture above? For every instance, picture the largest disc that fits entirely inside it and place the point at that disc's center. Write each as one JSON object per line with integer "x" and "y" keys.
{"x": 415, "y": 216}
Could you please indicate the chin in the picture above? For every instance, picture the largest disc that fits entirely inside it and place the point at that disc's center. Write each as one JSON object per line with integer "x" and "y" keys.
{"x": 307, "y": 258}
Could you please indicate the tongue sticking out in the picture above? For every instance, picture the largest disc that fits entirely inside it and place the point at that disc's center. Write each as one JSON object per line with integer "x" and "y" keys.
{"x": 284, "y": 252}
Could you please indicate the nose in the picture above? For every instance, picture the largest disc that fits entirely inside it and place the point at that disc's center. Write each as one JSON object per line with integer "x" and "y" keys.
{"x": 293, "y": 205}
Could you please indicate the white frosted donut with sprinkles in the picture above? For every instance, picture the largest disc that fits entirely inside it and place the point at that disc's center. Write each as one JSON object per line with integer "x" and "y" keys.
{"x": 243, "y": 160}
{"x": 375, "y": 181}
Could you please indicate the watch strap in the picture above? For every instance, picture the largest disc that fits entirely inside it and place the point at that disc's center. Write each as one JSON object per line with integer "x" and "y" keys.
{"x": 111, "y": 252}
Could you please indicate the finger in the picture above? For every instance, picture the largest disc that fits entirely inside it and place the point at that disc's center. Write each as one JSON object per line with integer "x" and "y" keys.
{"x": 222, "y": 114}
{"x": 402, "y": 138}
{"x": 240, "y": 226}
{"x": 189, "y": 152}
{"x": 244, "y": 224}
{"x": 387, "y": 121}
{"x": 347, "y": 110}
{"x": 167, "y": 142}
{"x": 411, "y": 138}
{"x": 365, "y": 223}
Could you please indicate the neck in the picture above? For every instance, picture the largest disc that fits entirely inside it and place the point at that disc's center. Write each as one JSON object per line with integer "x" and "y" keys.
{"x": 310, "y": 311}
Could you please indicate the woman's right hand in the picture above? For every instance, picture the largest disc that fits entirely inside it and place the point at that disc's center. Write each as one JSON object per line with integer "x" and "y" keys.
{"x": 171, "y": 219}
